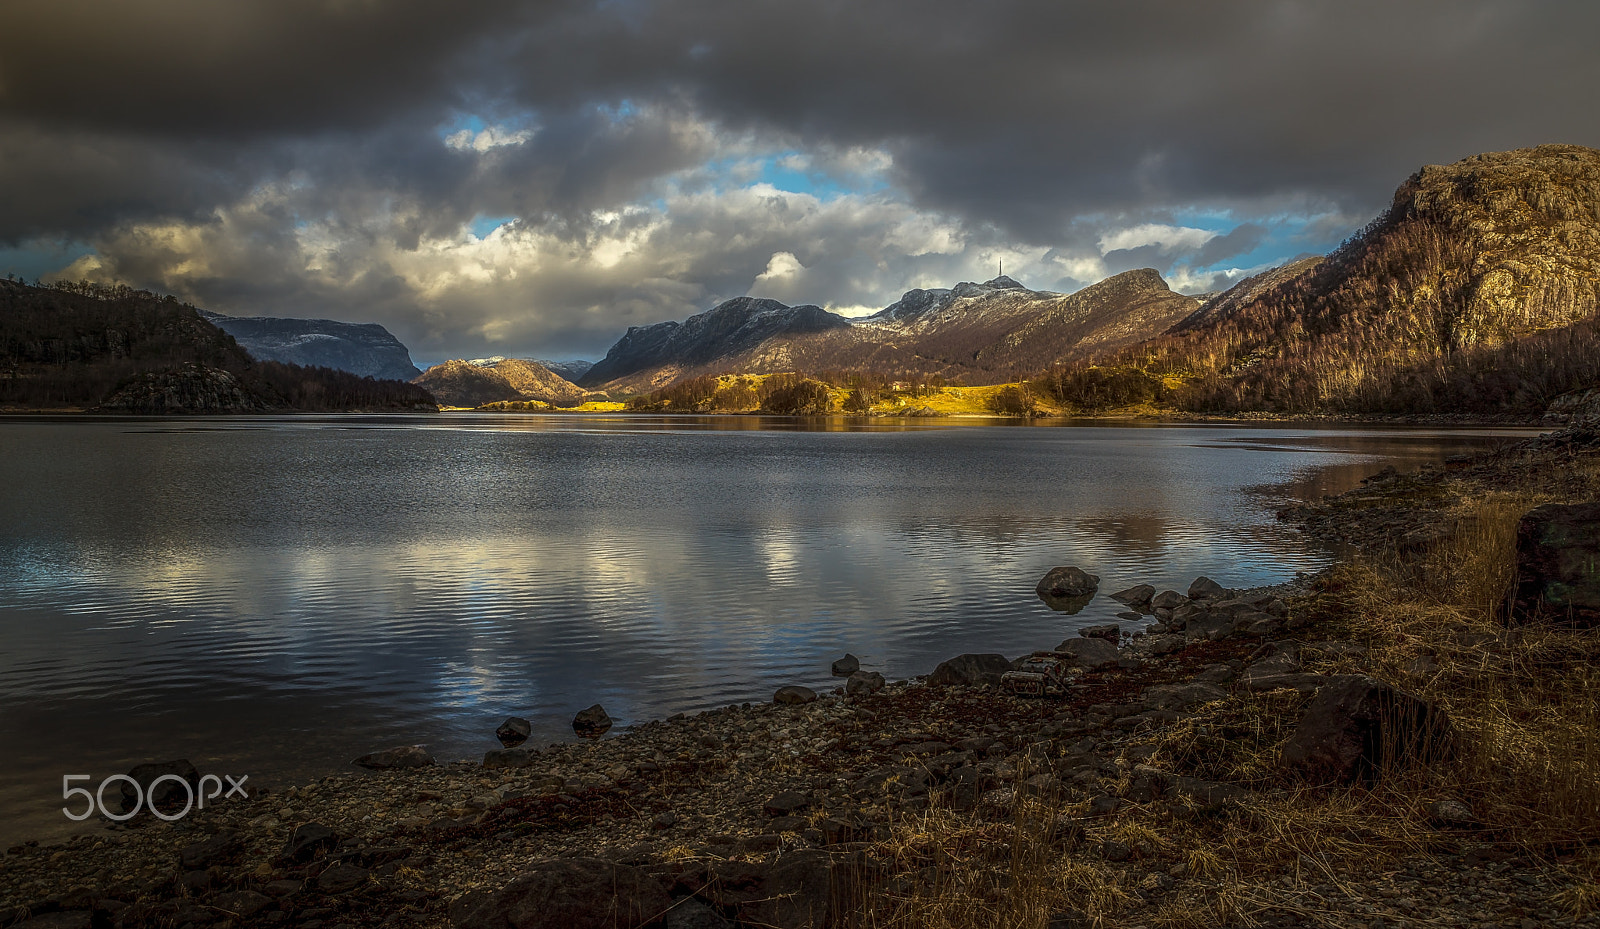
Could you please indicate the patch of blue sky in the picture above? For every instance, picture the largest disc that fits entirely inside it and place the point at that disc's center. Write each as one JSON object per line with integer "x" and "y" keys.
{"x": 468, "y": 121}
{"x": 35, "y": 260}
{"x": 482, "y": 225}
{"x": 784, "y": 171}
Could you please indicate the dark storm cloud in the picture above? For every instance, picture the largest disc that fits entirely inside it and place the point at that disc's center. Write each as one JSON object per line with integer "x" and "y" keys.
{"x": 274, "y": 154}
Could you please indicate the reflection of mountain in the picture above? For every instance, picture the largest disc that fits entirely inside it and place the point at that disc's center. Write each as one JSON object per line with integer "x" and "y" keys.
{"x": 984, "y": 333}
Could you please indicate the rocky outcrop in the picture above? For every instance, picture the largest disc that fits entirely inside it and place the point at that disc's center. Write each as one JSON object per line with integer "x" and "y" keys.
{"x": 971, "y": 669}
{"x": 1558, "y": 550}
{"x": 1359, "y": 728}
{"x": 366, "y": 349}
{"x": 405, "y": 756}
{"x": 189, "y": 389}
{"x": 490, "y": 380}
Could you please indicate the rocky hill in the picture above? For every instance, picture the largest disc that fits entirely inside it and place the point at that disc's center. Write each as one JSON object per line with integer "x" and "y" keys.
{"x": 79, "y": 346}
{"x": 475, "y": 383}
{"x": 366, "y": 349}
{"x": 1476, "y": 291}
{"x": 722, "y": 334}
{"x": 983, "y": 333}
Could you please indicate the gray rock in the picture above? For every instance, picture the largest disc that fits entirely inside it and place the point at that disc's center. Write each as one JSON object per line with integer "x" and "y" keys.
{"x": 1558, "y": 548}
{"x": 514, "y": 731}
{"x": 592, "y": 722}
{"x": 1204, "y": 588}
{"x": 1358, "y": 727}
{"x": 801, "y": 890}
{"x": 573, "y": 893}
{"x": 1159, "y": 645}
{"x": 1167, "y": 600}
{"x": 1089, "y": 653}
{"x": 864, "y": 683}
{"x": 971, "y": 669}
{"x": 404, "y": 756}
{"x": 1206, "y": 627}
{"x": 846, "y": 666}
{"x": 1111, "y": 632}
{"x": 794, "y": 695}
{"x": 1137, "y": 595}
{"x": 1068, "y": 581}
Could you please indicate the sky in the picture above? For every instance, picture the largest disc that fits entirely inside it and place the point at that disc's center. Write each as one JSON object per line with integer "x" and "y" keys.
{"x": 529, "y": 179}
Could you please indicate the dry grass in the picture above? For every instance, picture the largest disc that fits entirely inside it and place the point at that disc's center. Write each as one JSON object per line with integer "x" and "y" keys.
{"x": 1525, "y": 702}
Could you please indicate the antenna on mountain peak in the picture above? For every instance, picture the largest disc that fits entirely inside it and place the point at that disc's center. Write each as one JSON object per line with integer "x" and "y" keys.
{"x": 1002, "y": 268}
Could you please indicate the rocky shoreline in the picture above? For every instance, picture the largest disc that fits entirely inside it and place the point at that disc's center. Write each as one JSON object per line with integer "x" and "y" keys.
{"x": 808, "y": 810}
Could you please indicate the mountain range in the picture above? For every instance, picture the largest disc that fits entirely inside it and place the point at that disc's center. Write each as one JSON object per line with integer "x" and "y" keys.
{"x": 984, "y": 333}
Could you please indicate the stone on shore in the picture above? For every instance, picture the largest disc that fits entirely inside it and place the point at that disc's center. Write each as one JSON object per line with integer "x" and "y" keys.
{"x": 169, "y": 793}
{"x": 592, "y": 722}
{"x": 1558, "y": 548}
{"x": 1068, "y": 582}
{"x": 404, "y": 756}
{"x": 971, "y": 669}
{"x": 1168, "y": 600}
{"x": 307, "y": 840}
{"x": 514, "y": 731}
{"x": 864, "y": 684}
{"x": 1111, "y": 632}
{"x": 574, "y": 893}
{"x": 1204, "y": 588}
{"x": 1089, "y": 653}
{"x": 1137, "y": 595}
{"x": 1358, "y": 728}
{"x": 794, "y": 695}
{"x": 846, "y": 666}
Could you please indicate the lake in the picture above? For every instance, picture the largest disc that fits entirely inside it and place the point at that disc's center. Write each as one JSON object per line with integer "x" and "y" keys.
{"x": 272, "y": 596}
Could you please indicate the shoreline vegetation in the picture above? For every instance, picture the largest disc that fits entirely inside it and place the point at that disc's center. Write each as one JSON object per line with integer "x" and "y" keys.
{"x": 1170, "y": 787}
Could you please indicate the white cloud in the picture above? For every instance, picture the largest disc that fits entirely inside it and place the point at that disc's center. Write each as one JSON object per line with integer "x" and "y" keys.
{"x": 491, "y": 137}
{"x": 1169, "y": 238}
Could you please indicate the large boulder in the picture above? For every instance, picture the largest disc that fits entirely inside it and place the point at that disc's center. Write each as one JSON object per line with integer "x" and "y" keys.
{"x": 1068, "y": 582}
{"x": 1204, "y": 588}
{"x": 794, "y": 695}
{"x": 1136, "y": 596}
{"x": 574, "y": 893}
{"x": 514, "y": 731}
{"x": 1358, "y": 728}
{"x": 864, "y": 684}
{"x": 971, "y": 669}
{"x": 592, "y": 722}
{"x": 846, "y": 666}
{"x": 1558, "y": 550}
{"x": 1089, "y": 653}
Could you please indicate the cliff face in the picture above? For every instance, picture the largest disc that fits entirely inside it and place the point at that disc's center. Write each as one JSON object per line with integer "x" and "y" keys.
{"x": 1474, "y": 266}
{"x": 468, "y": 383}
{"x": 366, "y": 349}
{"x": 985, "y": 333}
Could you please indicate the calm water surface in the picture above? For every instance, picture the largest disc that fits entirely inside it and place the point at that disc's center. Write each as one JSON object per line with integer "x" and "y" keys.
{"x": 272, "y": 597}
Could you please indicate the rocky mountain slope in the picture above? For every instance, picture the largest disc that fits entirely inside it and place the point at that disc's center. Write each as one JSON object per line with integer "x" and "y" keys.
{"x": 984, "y": 333}
{"x": 475, "y": 383}
{"x": 1476, "y": 291}
{"x": 366, "y": 349}
{"x": 77, "y": 346}
{"x": 722, "y": 334}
